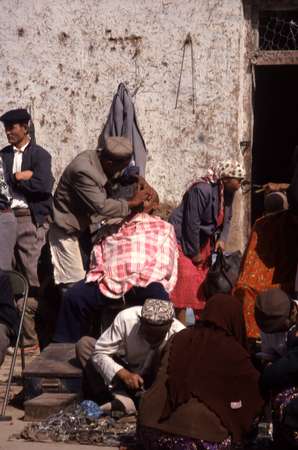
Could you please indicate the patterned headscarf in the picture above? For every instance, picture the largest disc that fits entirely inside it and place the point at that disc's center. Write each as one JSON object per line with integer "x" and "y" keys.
{"x": 211, "y": 176}
{"x": 157, "y": 312}
{"x": 230, "y": 169}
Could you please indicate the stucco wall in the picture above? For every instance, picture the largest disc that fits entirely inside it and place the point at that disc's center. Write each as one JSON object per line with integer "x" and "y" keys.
{"x": 65, "y": 58}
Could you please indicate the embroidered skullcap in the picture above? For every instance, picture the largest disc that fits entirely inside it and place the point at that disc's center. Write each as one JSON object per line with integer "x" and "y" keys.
{"x": 272, "y": 310}
{"x": 231, "y": 169}
{"x": 15, "y": 116}
{"x": 157, "y": 312}
{"x": 117, "y": 148}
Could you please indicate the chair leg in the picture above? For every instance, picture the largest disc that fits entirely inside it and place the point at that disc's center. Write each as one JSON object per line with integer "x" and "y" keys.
{"x": 22, "y": 352}
{"x": 8, "y": 385}
{"x": 13, "y": 362}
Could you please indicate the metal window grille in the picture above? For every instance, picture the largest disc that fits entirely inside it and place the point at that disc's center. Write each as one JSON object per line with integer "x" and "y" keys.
{"x": 278, "y": 30}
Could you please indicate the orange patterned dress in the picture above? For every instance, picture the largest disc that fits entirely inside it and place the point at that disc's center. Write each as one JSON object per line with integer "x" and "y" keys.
{"x": 270, "y": 261}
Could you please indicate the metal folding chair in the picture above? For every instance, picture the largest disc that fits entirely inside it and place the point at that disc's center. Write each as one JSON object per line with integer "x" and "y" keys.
{"x": 20, "y": 290}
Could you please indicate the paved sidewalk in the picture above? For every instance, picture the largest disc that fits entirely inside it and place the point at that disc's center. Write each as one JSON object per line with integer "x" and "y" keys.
{"x": 7, "y": 429}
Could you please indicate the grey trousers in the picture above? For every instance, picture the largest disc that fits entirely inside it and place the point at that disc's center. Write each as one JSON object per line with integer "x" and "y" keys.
{"x": 30, "y": 240}
{"x": 84, "y": 349}
{"x": 93, "y": 384}
{"x": 8, "y": 236}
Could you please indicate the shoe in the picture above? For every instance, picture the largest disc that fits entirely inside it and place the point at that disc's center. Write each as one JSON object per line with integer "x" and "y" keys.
{"x": 32, "y": 350}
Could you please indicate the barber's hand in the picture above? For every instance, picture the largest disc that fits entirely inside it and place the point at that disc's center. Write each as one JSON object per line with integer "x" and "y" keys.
{"x": 132, "y": 380}
{"x": 24, "y": 175}
{"x": 142, "y": 183}
{"x": 144, "y": 186}
{"x": 219, "y": 245}
{"x": 138, "y": 199}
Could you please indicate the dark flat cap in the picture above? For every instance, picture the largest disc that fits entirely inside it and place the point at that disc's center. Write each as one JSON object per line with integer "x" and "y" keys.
{"x": 117, "y": 148}
{"x": 15, "y": 116}
{"x": 272, "y": 310}
{"x": 275, "y": 201}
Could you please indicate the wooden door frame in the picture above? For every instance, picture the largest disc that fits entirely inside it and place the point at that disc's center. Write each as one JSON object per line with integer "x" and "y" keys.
{"x": 255, "y": 57}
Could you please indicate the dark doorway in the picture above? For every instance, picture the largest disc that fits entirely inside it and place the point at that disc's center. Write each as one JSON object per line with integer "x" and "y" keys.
{"x": 275, "y": 127}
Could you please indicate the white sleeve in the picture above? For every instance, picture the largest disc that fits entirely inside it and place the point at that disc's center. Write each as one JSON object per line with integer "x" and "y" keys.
{"x": 176, "y": 327}
{"x": 108, "y": 345}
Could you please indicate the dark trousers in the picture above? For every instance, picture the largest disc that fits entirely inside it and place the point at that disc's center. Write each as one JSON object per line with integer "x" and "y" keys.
{"x": 83, "y": 301}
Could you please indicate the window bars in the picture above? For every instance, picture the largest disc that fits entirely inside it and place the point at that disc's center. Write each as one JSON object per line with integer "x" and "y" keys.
{"x": 278, "y": 30}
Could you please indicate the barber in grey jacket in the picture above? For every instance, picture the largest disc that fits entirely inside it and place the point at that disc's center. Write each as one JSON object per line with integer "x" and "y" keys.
{"x": 81, "y": 199}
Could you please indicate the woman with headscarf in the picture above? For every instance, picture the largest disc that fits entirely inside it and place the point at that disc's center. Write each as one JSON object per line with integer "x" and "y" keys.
{"x": 206, "y": 393}
{"x": 202, "y": 221}
{"x": 271, "y": 258}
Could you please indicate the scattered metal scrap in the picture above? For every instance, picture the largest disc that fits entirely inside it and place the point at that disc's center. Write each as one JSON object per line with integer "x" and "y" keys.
{"x": 75, "y": 426}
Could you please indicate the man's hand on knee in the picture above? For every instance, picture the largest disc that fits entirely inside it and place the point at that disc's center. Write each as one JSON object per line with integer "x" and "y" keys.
{"x": 133, "y": 381}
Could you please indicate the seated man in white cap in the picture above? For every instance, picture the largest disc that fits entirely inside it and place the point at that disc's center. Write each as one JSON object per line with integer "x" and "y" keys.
{"x": 122, "y": 357}
{"x": 81, "y": 199}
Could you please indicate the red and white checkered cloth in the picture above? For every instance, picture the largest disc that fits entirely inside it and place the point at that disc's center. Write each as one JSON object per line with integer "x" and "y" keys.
{"x": 143, "y": 251}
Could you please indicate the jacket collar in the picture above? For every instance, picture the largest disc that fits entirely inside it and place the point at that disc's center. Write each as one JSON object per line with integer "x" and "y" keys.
{"x": 21, "y": 149}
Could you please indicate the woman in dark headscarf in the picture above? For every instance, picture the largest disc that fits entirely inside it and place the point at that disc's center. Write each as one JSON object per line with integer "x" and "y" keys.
{"x": 206, "y": 393}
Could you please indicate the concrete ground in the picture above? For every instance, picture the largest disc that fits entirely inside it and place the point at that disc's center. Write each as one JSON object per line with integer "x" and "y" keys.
{"x": 17, "y": 424}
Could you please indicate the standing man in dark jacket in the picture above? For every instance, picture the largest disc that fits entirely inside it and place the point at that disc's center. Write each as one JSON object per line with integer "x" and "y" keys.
{"x": 29, "y": 176}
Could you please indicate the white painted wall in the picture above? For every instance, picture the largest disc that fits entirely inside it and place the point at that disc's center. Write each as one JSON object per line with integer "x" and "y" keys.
{"x": 59, "y": 58}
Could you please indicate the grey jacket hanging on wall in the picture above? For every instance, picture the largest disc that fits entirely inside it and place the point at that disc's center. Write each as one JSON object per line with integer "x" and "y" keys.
{"x": 122, "y": 121}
